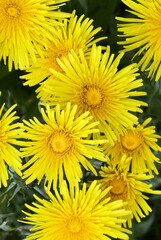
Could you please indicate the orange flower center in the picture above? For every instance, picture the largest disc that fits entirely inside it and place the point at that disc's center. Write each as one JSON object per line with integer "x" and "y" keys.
{"x": 92, "y": 96}
{"x": 131, "y": 141}
{"x": 118, "y": 186}
{"x": 12, "y": 11}
{"x": 51, "y": 55}
{"x": 74, "y": 225}
{"x": 60, "y": 142}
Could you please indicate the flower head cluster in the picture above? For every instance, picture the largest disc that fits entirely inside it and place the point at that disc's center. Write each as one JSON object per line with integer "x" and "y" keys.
{"x": 59, "y": 146}
{"x": 88, "y": 101}
{"x": 142, "y": 32}
{"x": 23, "y": 25}
{"x": 77, "y": 33}
{"x": 78, "y": 214}
{"x": 98, "y": 86}
{"x": 9, "y": 134}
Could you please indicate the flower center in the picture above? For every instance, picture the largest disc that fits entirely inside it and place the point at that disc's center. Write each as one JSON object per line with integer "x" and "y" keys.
{"x": 118, "y": 186}
{"x": 131, "y": 141}
{"x": 92, "y": 96}
{"x": 12, "y": 11}
{"x": 60, "y": 142}
{"x": 52, "y": 54}
{"x": 74, "y": 225}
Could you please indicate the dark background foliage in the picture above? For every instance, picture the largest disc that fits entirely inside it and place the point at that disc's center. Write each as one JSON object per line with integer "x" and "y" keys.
{"x": 13, "y": 198}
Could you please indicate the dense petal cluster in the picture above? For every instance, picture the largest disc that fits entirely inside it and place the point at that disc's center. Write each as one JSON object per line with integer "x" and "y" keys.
{"x": 128, "y": 187}
{"x": 138, "y": 144}
{"x": 77, "y": 214}
{"x": 9, "y": 134}
{"x": 89, "y": 112}
{"x": 77, "y": 33}
{"x": 142, "y": 32}
{"x": 60, "y": 145}
{"x": 23, "y": 25}
{"x": 97, "y": 86}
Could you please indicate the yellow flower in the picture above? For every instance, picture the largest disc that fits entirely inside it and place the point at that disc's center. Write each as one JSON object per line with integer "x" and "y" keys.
{"x": 75, "y": 34}
{"x": 138, "y": 143}
{"x": 97, "y": 86}
{"x": 59, "y": 146}
{"x": 77, "y": 215}
{"x": 128, "y": 187}
{"x": 143, "y": 32}
{"x": 23, "y": 25}
{"x": 9, "y": 133}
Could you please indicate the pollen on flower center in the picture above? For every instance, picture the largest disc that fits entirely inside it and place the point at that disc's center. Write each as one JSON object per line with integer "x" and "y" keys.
{"x": 92, "y": 96}
{"x": 74, "y": 225}
{"x": 131, "y": 141}
{"x": 12, "y": 11}
{"x": 60, "y": 142}
{"x": 118, "y": 186}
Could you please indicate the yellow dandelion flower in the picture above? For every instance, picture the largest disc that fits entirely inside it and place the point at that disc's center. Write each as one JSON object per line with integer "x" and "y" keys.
{"x": 74, "y": 34}
{"x": 59, "y": 146}
{"x": 128, "y": 187}
{"x": 138, "y": 143}
{"x": 97, "y": 86}
{"x": 143, "y": 32}
{"x": 9, "y": 134}
{"x": 23, "y": 25}
{"x": 77, "y": 214}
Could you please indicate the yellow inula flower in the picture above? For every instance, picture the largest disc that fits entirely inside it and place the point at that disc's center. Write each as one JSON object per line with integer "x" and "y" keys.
{"x": 138, "y": 143}
{"x": 142, "y": 32}
{"x": 77, "y": 215}
{"x": 74, "y": 34}
{"x": 128, "y": 187}
{"x": 60, "y": 146}
{"x": 23, "y": 25}
{"x": 97, "y": 86}
{"x": 9, "y": 133}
